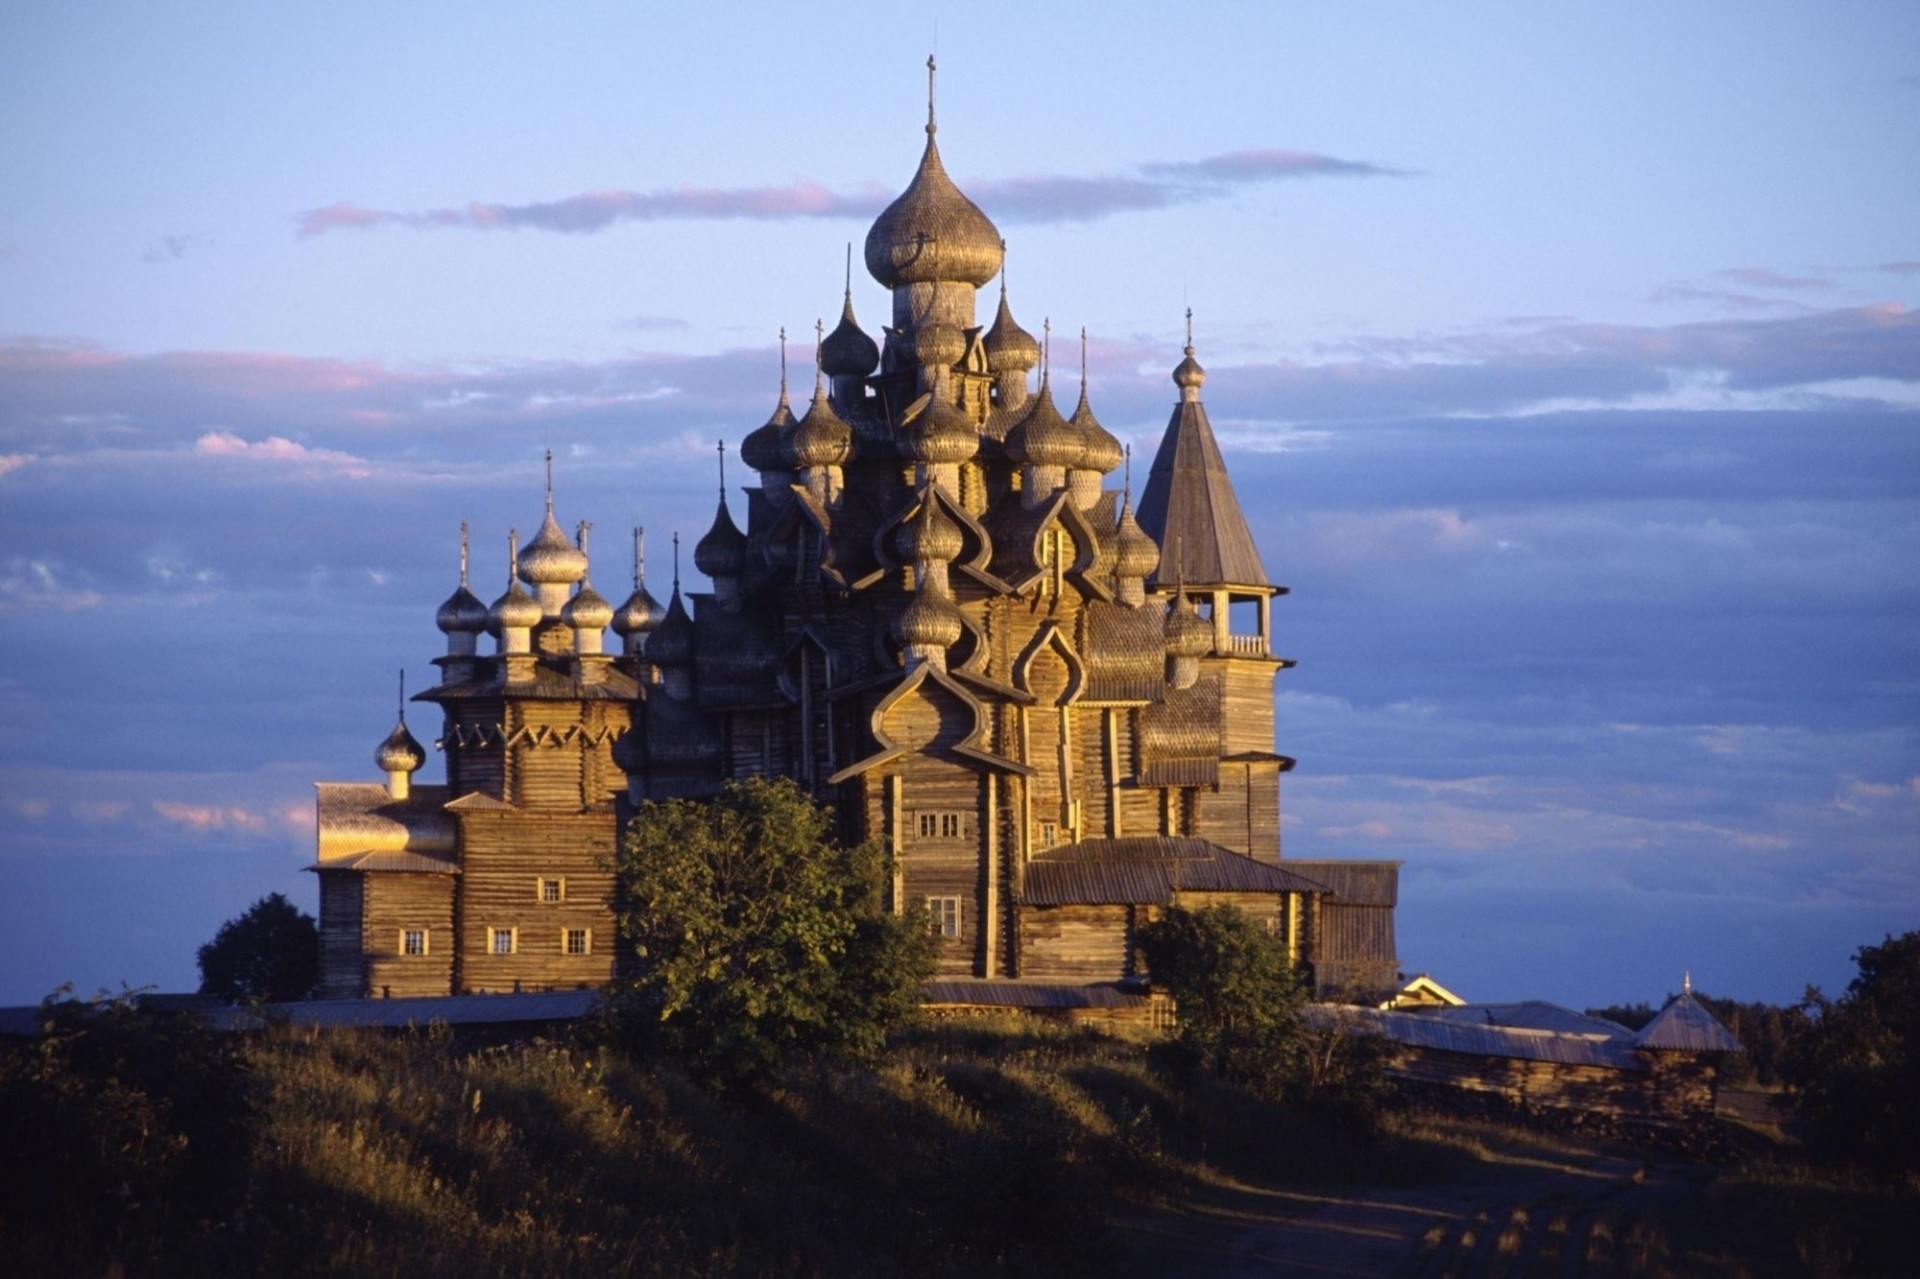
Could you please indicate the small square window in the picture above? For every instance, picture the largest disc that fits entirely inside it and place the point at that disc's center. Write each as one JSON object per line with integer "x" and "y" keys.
{"x": 944, "y": 916}
{"x": 579, "y": 941}
{"x": 503, "y": 941}
{"x": 1049, "y": 834}
{"x": 413, "y": 941}
{"x": 929, "y": 824}
{"x": 553, "y": 891}
{"x": 949, "y": 825}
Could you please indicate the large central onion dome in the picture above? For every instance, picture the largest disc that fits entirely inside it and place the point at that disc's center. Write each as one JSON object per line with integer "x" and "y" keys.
{"x": 551, "y": 558}
{"x": 933, "y": 232}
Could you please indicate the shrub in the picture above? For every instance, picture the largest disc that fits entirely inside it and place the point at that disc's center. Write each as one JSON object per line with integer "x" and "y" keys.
{"x": 270, "y": 951}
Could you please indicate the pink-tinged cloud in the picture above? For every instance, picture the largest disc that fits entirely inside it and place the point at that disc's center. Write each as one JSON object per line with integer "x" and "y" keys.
{"x": 101, "y": 810}
{"x": 1032, "y": 198}
{"x": 11, "y": 462}
{"x": 210, "y": 817}
{"x": 276, "y": 448}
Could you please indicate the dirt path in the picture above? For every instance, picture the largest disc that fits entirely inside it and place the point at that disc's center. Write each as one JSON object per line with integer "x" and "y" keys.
{"x": 1551, "y": 1212}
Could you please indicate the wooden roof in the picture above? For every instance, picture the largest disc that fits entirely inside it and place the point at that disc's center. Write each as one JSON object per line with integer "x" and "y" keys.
{"x": 1444, "y": 1034}
{"x": 1190, "y": 509}
{"x": 977, "y": 993}
{"x": 1686, "y": 1026}
{"x": 1149, "y": 870}
{"x": 1353, "y": 883}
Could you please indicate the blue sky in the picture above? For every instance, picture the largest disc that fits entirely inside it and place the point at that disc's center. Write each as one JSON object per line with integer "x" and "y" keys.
{"x": 1565, "y": 358}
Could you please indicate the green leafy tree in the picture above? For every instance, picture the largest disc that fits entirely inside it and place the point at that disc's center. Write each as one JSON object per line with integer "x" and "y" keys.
{"x": 1238, "y": 996}
{"x": 757, "y": 936}
{"x": 1855, "y": 1070}
{"x": 269, "y": 952}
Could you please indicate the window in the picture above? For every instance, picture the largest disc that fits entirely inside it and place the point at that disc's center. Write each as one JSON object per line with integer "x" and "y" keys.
{"x": 413, "y": 941}
{"x": 552, "y": 891}
{"x": 1049, "y": 834}
{"x": 948, "y": 825}
{"x": 578, "y": 941}
{"x": 944, "y": 916}
{"x": 503, "y": 941}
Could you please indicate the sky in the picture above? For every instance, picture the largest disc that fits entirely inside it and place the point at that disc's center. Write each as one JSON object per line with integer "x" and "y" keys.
{"x": 1565, "y": 358}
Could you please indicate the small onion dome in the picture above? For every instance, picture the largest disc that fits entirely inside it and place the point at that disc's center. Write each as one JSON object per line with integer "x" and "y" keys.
{"x": 551, "y": 558}
{"x": 930, "y": 619}
{"x": 763, "y": 448}
{"x": 932, "y": 232}
{"x": 939, "y": 346}
{"x": 671, "y": 644}
{"x": 723, "y": 551}
{"x": 848, "y": 351}
{"x": 1103, "y": 452}
{"x": 399, "y": 753}
{"x": 941, "y": 434}
{"x": 1188, "y": 634}
{"x": 820, "y": 438}
{"x": 1188, "y": 374}
{"x": 514, "y": 611}
{"x": 588, "y": 610}
{"x": 1135, "y": 553}
{"x": 930, "y": 535}
{"x": 462, "y": 614}
{"x": 1043, "y": 437}
{"x": 1009, "y": 347}
{"x": 640, "y": 614}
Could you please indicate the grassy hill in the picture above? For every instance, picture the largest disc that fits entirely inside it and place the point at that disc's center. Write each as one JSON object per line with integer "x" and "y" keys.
{"x": 968, "y": 1149}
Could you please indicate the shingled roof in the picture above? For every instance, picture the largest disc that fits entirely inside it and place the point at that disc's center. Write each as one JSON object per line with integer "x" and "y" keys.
{"x": 1189, "y": 507}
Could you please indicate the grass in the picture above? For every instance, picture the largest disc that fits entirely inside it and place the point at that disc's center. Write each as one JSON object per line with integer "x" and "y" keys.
{"x": 968, "y": 1149}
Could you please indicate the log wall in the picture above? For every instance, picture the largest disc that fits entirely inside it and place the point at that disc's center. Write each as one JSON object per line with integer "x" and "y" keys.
{"x": 505, "y": 856}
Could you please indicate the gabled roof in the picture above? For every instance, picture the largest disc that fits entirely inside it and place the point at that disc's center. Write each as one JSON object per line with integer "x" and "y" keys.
{"x": 1686, "y": 1026}
{"x": 1190, "y": 509}
{"x": 1146, "y": 870}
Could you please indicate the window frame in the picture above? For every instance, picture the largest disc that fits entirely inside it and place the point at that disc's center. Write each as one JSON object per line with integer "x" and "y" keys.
{"x": 426, "y": 942}
{"x": 493, "y": 941}
{"x": 945, "y": 915}
{"x": 586, "y": 942}
{"x": 559, "y": 883}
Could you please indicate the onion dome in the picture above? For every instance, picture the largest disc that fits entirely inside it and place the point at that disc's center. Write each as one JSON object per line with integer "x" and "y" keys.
{"x": 932, "y": 231}
{"x": 1135, "y": 554}
{"x": 939, "y": 346}
{"x": 462, "y": 613}
{"x": 399, "y": 753}
{"x": 723, "y": 551}
{"x": 671, "y": 644}
{"x": 588, "y": 610}
{"x": 930, "y": 619}
{"x": 820, "y": 438}
{"x": 1187, "y": 633}
{"x": 1043, "y": 437}
{"x": 551, "y": 558}
{"x": 640, "y": 613}
{"x": 514, "y": 611}
{"x": 930, "y": 535}
{"x": 763, "y": 448}
{"x": 1188, "y": 375}
{"x": 1102, "y": 452}
{"x": 848, "y": 351}
{"x": 1010, "y": 348}
{"x": 940, "y": 434}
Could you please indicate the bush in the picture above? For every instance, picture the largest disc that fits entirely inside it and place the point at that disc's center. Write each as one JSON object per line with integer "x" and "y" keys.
{"x": 1855, "y": 1071}
{"x": 756, "y": 936}
{"x": 1238, "y": 996}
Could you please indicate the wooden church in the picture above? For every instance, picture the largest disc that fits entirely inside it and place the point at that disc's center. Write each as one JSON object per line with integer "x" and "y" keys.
{"x": 937, "y": 613}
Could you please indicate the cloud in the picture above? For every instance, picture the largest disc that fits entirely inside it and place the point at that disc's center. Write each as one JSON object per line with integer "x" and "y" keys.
{"x": 171, "y": 248}
{"x": 11, "y": 462}
{"x": 1031, "y": 199}
{"x": 210, "y": 817}
{"x": 39, "y": 585}
{"x": 1900, "y": 268}
{"x": 647, "y": 323}
{"x": 277, "y": 448}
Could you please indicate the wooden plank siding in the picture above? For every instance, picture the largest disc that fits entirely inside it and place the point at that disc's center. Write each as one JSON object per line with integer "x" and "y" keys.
{"x": 1075, "y": 943}
{"x": 393, "y": 904}
{"x": 506, "y": 854}
{"x": 343, "y": 971}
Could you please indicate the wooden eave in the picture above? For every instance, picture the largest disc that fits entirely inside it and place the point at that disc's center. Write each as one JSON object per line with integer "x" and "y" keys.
{"x": 910, "y": 680}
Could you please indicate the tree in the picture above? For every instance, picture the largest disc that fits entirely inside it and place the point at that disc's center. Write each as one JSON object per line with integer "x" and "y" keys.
{"x": 1855, "y": 1070}
{"x": 757, "y": 936}
{"x": 1238, "y": 996}
{"x": 270, "y": 952}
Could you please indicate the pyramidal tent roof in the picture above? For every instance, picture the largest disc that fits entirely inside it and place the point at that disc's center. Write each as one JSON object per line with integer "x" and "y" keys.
{"x": 1686, "y": 1026}
{"x": 1190, "y": 509}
